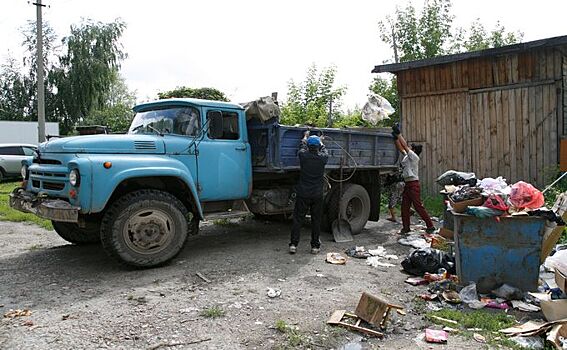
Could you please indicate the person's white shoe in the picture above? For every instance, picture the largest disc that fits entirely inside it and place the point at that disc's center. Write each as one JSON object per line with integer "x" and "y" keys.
{"x": 315, "y": 250}
{"x": 292, "y": 249}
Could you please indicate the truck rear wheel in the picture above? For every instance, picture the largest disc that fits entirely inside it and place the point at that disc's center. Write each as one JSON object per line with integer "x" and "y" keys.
{"x": 145, "y": 228}
{"x": 353, "y": 205}
{"x": 71, "y": 232}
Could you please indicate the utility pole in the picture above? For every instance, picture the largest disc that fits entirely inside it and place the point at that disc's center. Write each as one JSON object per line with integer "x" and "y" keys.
{"x": 40, "y": 86}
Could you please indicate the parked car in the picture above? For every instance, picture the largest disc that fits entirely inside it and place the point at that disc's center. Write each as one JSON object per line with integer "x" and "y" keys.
{"x": 11, "y": 156}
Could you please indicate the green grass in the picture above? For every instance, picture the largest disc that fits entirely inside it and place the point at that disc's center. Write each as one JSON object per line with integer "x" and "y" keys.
{"x": 213, "y": 312}
{"x": 9, "y": 214}
{"x": 434, "y": 205}
{"x": 489, "y": 323}
{"x": 224, "y": 222}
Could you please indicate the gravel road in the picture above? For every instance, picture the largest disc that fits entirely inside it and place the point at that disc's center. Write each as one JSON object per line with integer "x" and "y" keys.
{"x": 80, "y": 299}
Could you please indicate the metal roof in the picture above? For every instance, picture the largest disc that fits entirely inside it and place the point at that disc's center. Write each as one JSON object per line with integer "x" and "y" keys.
{"x": 190, "y": 101}
{"x": 509, "y": 49}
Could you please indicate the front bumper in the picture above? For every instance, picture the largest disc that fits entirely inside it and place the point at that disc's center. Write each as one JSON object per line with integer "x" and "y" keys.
{"x": 51, "y": 209}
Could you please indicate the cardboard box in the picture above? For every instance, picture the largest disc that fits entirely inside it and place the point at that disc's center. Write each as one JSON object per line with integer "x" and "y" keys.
{"x": 561, "y": 276}
{"x": 554, "y": 310}
{"x": 460, "y": 207}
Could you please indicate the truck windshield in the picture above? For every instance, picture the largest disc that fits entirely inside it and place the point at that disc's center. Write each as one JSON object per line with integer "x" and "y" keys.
{"x": 170, "y": 120}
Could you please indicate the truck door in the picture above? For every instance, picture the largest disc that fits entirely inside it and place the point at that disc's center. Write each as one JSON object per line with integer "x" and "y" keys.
{"x": 225, "y": 166}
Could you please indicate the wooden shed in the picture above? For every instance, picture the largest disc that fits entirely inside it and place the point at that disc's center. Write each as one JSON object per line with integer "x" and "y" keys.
{"x": 495, "y": 112}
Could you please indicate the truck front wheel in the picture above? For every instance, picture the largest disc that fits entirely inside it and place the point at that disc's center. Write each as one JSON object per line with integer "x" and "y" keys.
{"x": 145, "y": 228}
{"x": 71, "y": 232}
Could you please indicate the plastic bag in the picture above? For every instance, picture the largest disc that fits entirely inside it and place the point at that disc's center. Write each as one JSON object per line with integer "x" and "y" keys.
{"x": 495, "y": 202}
{"x": 524, "y": 195}
{"x": 508, "y": 292}
{"x": 453, "y": 177}
{"x": 494, "y": 186}
{"x": 429, "y": 260}
{"x": 468, "y": 294}
{"x": 376, "y": 109}
{"x": 533, "y": 342}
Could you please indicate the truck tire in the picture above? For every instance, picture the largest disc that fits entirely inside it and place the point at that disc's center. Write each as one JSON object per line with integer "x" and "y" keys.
{"x": 145, "y": 228}
{"x": 353, "y": 204}
{"x": 71, "y": 232}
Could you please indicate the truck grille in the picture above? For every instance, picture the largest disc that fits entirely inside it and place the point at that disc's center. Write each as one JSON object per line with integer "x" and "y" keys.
{"x": 54, "y": 186}
{"x": 46, "y": 161}
{"x": 48, "y": 180}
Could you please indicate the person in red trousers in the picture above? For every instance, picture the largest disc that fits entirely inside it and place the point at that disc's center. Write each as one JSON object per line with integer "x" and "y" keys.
{"x": 410, "y": 171}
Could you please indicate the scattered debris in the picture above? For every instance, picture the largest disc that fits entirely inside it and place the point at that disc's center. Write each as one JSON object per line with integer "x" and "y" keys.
{"x": 479, "y": 338}
{"x": 558, "y": 335}
{"x": 358, "y": 252}
{"x": 523, "y": 306}
{"x": 534, "y": 342}
{"x": 444, "y": 319}
{"x": 436, "y": 336}
{"x": 172, "y": 344}
{"x": 554, "y": 310}
{"x": 451, "y": 296}
{"x": 65, "y": 317}
{"x": 416, "y": 281}
{"x": 374, "y": 310}
{"x": 344, "y": 319}
{"x": 18, "y": 313}
{"x": 274, "y": 292}
{"x": 415, "y": 241}
{"x": 336, "y": 259}
{"x": 508, "y": 292}
{"x": 200, "y": 275}
{"x": 28, "y": 323}
{"x": 450, "y": 330}
{"x": 374, "y": 261}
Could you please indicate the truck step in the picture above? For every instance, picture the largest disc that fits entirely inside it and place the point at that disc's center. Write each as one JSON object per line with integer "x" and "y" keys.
{"x": 226, "y": 215}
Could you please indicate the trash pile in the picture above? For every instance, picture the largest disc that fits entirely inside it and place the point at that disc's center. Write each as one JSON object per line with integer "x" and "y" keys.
{"x": 374, "y": 257}
{"x": 492, "y": 197}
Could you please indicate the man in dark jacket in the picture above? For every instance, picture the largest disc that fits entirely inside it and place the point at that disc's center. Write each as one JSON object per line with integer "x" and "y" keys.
{"x": 309, "y": 191}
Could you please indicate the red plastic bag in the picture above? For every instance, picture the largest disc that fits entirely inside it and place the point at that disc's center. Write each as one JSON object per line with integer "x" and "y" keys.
{"x": 524, "y": 195}
{"x": 495, "y": 202}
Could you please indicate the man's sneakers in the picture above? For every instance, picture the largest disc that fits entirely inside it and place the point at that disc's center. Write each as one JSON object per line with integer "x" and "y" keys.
{"x": 315, "y": 250}
{"x": 292, "y": 249}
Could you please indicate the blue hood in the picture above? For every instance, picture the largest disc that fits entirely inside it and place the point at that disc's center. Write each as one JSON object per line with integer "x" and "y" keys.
{"x": 137, "y": 144}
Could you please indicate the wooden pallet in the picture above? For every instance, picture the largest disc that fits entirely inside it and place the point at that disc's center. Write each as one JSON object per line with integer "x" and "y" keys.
{"x": 339, "y": 317}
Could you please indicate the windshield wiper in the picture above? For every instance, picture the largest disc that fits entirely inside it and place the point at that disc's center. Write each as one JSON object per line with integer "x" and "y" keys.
{"x": 154, "y": 129}
{"x": 147, "y": 126}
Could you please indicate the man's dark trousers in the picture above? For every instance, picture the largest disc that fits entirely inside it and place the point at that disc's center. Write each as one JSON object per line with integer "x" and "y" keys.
{"x": 302, "y": 205}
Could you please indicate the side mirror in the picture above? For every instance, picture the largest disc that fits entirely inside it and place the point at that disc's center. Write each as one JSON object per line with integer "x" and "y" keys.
{"x": 215, "y": 124}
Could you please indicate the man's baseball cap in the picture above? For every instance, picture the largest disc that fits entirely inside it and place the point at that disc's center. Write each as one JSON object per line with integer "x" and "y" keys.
{"x": 314, "y": 141}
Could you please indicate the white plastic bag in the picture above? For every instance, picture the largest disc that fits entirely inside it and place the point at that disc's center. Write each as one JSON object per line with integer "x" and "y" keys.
{"x": 376, "y": 109}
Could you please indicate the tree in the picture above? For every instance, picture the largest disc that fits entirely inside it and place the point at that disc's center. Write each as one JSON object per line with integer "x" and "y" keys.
{"x": 308, "y": 102}
{"x": 14, "y": 94}
{"x": 87, "y": 70}
{"x": 202, "y": 93}
{"x": 118, "y": 118}
{"x": 412, "y": 37}
{"x": 479, "y": 39}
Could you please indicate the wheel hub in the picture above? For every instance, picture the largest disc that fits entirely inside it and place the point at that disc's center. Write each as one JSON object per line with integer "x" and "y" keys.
{"x": 148, "y": 231}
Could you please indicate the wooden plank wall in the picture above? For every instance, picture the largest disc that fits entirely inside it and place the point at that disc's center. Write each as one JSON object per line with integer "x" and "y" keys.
{"x": 496, "y": 116}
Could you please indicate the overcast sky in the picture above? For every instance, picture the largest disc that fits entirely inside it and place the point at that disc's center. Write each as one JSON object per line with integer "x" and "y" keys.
{"x": 249, "y": 49}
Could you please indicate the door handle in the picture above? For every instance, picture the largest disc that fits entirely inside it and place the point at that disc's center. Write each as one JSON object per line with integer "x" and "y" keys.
{"x": 243, "y": 148}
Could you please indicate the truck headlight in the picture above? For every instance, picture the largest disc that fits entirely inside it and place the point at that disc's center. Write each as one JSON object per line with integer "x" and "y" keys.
{"x": 24, "y": 172}
{"x": 74, "y": 177}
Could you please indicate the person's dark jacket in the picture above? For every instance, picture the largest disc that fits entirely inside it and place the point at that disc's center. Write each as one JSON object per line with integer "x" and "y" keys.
{"x": 312, "y": 164}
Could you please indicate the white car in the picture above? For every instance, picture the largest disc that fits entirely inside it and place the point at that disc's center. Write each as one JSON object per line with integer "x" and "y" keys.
{"x": 11, "y": 156}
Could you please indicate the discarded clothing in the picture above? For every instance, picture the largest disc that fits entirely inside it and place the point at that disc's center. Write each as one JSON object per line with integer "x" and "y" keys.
{"x": 414, "y": 241}
{"x": 465, "y": 193}
{"x": 358, "y": 252}
{"x": 483, "y": 212}
{"x": 549, "y": 215}
{"x": 452, "y": 177}
{"x": 429, "y": 260}
{"x": 494, "y": 186}
{"x": 374, "y": 261}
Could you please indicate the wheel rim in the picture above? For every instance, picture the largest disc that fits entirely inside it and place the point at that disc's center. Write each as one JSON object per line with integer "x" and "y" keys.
{"x": 353, "y": 209}
{"x": 148, "y": 231}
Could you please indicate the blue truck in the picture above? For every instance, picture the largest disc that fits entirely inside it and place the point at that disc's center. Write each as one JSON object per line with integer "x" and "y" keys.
{"x": 182, "y": 161}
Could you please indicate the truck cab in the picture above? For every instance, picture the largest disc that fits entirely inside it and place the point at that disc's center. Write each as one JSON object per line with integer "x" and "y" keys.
{"x": 141, "y": 194}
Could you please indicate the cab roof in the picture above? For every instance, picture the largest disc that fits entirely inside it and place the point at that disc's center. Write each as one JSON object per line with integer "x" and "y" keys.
{"x": 186, "y": 101}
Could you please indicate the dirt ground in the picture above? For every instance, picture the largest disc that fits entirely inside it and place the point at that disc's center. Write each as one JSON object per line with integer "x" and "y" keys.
{"x": 81, "y": 299}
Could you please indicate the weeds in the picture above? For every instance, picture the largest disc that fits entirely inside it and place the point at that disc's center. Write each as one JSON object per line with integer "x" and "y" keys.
{"x": 213, "y": 312}
{"x": 294, "y": 337}
{"x": 9, "y": 214}
{"x": 489, "y": 324}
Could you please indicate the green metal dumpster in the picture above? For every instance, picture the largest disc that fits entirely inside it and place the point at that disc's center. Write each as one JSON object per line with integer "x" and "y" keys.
{"x": 505, "y": 251}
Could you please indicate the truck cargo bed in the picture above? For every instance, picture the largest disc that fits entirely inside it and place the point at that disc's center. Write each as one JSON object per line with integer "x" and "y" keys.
{"x": 274, "y": 147}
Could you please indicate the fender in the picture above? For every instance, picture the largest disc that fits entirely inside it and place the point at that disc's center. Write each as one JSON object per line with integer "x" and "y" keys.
{"x": 105, "y": 181}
